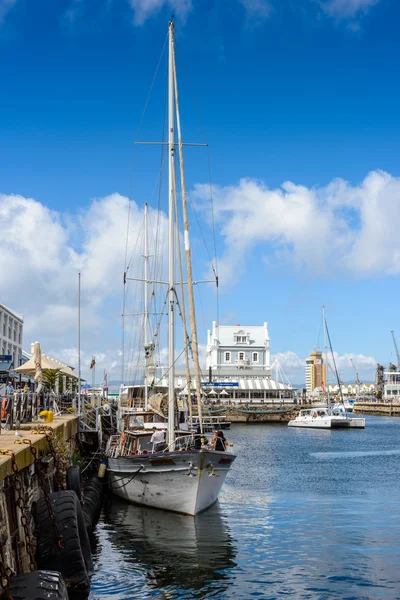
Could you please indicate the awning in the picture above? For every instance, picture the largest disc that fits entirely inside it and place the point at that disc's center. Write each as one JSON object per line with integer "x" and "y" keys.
{"x": 262, "y": 385}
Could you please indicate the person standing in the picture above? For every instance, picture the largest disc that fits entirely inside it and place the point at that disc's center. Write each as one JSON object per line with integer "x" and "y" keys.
{"x": 158, "y": 440}
{"x": 9, "y": 388}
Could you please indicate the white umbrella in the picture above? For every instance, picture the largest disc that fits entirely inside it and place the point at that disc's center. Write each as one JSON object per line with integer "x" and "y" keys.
{"x": 37, "y": 359}
{"x": 212, "y": 393}
{"x": 224, "y": 393}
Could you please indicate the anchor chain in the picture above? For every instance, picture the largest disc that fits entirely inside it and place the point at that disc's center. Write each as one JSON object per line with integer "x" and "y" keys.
{"x": 5, "y": 573}
{"x": 20, "y": 502}
{"x": 43, "y": 485}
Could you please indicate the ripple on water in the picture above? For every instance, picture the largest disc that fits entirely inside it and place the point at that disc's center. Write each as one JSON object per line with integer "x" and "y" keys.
{"x": 303, "y": 514}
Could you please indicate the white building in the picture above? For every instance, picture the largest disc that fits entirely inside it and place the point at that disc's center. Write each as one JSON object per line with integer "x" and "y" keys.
{"x": 238, "y": 366}
{"x": 237, "y": 348}
{"x": 11, "y": 333}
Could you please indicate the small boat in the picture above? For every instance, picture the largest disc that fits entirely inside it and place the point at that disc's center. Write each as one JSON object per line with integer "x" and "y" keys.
{"x": 325, "y": 418}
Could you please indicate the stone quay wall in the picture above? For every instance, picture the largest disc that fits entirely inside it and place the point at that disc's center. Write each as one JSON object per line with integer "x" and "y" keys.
{"x": 21, "y": 485}
{"x": 390, "y": 409}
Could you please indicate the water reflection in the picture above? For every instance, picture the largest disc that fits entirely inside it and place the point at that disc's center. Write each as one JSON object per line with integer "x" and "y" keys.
{"x": 174, "y": 552}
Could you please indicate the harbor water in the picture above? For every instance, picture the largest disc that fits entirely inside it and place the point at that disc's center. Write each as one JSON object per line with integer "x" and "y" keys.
{"x": 303, "y": 514}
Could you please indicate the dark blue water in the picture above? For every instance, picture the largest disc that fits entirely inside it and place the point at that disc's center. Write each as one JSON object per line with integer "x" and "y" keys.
{"x": 303, "y": 514}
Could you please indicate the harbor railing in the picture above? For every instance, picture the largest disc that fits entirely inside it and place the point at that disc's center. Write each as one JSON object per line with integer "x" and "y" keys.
{"x": 25, "y": 407}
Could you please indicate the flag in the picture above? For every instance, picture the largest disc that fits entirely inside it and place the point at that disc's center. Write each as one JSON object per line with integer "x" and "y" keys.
{"x": 323, "y": 386}
{"x": 93, "y": 363}
{"x": 105, "y": 379}
{"x": 152, "y": 384}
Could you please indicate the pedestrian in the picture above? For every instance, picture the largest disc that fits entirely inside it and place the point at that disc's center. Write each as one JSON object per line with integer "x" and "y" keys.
{"x": 158, "y": 440}
{"x": 218, "y": 441}
{"x": 9, "y": 388}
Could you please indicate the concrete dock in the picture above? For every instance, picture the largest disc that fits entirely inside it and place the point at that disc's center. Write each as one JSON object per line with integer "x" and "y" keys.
{"x": 22, "y": 484}
{"x": 65, "y": 426}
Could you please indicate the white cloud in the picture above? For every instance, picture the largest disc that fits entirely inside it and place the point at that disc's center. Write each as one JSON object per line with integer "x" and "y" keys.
{"x": 5, "y": 7}
{"x": 40, "y": 261}
{"x": 352, "y": 229}
{"x": 343, "y": 9}
{"x": 257, "y": 10}
{"x": 293, "y": 366}
{"x": 144, "y": 9}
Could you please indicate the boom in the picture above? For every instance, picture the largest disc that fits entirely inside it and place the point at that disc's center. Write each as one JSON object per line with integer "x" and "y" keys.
{"x": 396, "y": 350}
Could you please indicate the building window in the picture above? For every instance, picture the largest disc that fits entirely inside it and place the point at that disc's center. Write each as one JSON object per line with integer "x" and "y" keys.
{"x": 241, "y": 355}
{"x": 241, "y": 339}
{"x": 255, "y": 357}
{"x": 19, "y": 336}
{"x": 227, "y": 357}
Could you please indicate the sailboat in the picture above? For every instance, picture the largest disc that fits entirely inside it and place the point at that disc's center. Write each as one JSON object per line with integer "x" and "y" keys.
{"x": 184, "y": 477}
{"x": 327, "y": 418}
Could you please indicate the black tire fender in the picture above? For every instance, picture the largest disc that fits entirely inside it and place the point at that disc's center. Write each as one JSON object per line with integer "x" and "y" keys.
{"x": 74, "y": 481}
{"x": 74, "y": 559}
{"x": 38, "y": 585}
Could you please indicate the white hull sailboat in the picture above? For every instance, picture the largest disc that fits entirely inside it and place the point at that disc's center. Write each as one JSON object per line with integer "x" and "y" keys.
{"x": 186, "y": 477}
{"x": 186, "y": 482}
{"x": 327, "y": 418}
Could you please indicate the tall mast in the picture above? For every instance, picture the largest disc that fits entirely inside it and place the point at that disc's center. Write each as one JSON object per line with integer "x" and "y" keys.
{"x": 326, "y": 355}
{"x": 146, "y": 308}
{"x": 171, "y": 238}
{"x": 192, "y": 314}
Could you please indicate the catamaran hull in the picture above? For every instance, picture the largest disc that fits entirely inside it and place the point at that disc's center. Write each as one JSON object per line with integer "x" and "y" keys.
{"x": 183, "y": 482}
{"x": 358, "y": 423}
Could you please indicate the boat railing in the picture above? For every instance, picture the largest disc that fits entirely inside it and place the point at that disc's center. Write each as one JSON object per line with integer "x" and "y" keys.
{"x": 189, "y": 442}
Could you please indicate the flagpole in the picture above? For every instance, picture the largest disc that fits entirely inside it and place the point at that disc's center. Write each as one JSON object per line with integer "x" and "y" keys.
{"x": 79, "y": 341}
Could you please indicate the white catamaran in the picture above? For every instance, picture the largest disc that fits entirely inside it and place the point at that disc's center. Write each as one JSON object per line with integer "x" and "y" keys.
{"x": 187, "y": 476}
{"x": 327, "y": 418}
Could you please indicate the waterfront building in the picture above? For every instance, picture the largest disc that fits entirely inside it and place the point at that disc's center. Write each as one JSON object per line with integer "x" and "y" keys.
{"x": 239, "y": 368}
{"x": 11, "y": 334}
{"x": 232, "y": 348}
{"x": 315, "y": 371}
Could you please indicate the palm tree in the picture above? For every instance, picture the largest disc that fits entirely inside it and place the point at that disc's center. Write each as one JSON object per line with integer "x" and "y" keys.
{"x": 50, "y": 377}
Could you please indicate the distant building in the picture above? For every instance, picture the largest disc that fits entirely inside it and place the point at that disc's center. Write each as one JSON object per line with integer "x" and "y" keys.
{"x": 315, "y": 371}
{"x": 235, "y": 347}
{"x": 11, "y": 333}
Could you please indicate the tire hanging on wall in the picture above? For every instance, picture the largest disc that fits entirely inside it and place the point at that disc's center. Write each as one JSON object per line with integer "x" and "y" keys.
{"x": 93, "y": 501}
{"x": 74, "y": 559}
{"x": 74, "y": 481}
{"x": 38, "y": 585}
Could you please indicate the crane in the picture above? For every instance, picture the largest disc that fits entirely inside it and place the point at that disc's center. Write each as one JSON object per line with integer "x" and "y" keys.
{"x": 396, "y": 350}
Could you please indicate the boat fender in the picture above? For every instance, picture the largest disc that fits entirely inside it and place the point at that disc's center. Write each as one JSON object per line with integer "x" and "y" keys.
{"x": 72, "y": 555}
{"x": 38, "y": 585}
{"x": 74, "y": 481}
{"x": 102, "y": 469}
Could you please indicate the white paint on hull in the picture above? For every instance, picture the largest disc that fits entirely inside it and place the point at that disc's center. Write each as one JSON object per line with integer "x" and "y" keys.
{"x": 184, "y": 482}
{"x": 329, "y": 423}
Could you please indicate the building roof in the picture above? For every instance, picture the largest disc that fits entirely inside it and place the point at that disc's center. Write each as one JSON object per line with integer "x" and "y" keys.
{"x": 12, "y": 312}
{"x": 258, "y": 334}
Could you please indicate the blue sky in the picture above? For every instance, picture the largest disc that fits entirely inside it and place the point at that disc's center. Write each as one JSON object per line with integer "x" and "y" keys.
{"x": 301, "y": 91}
